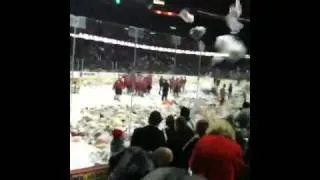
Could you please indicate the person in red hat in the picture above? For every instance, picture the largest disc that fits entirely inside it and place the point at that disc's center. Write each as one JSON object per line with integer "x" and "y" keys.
{"x": 117, "y": 143}
{"x": 217, "y": 155}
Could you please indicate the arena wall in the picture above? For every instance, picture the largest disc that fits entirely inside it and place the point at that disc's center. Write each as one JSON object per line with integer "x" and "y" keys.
{"x": 98, "y": 172}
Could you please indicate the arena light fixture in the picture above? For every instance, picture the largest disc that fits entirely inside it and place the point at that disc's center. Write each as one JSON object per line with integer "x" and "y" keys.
{"x": 157, "y": 11}
{"x": 159, "y": 2}
{"x": 117, "y": 2}
{"x": 164, "y": 13}
{"x": 147, "y": 47}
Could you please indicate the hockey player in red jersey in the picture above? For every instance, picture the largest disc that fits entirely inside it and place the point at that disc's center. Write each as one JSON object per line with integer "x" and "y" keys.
{"x": 118, "y": 86}
{"x": 139, "y": 85}
{"x": 129, "y": 81}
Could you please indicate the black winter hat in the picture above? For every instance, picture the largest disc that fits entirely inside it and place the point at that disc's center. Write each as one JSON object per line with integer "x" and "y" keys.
{"x": 246, "y": 105}
{"x": 185, "y": 112}
{"x": 155, "y": 118}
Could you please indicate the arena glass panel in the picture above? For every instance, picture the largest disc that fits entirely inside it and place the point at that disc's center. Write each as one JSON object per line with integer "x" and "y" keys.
{"x": 232, "y": 77}
{"x": 95, "y": 108}
{"x": 98, "y": 65}
{"x": 171, "y": 67}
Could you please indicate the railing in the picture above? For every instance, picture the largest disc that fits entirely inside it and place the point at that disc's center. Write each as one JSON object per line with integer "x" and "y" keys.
{"x": 99, "y": 172}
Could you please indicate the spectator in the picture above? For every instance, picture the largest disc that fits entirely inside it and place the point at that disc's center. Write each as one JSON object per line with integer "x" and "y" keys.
{"x": 169, "y": 130}
{"x": 243, "y": 118}
{"x": 167, "y": 173}
{"x": 149, "y": 137}
{"x": 185, "y": 112}
{"x": 201, "y": 128}
{"x": 117, "y": 143}
{"x": 132, "y": 163}
{"x": 240, "y": 134}
{"x": 162, "y": 157}
{"x": 243, "y": 121}
{"x": 245, "y": 173}
{"x": 217, "y": 156}
{"x": 247, "y": 154}
{"x": 182, "y": 135}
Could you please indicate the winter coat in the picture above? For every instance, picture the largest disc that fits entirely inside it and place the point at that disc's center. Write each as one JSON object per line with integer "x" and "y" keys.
{"x": 176, "y": 143}
{"x": 243, "y": 118}
{"x": 117, "y": 145}
{"x": 148, "y": 138}
{"x": 131, "y": 164}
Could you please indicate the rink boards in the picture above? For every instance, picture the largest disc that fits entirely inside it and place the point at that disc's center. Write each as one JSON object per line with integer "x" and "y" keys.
{"x": 91, "y": 173}
{"x": 110, "y": 77}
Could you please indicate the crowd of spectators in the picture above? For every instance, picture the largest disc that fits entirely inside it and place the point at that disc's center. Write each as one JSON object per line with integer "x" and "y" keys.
{"x": 94, "y": 56}
{"x": 212, "y": 149}
{"x": 97, "y": 56}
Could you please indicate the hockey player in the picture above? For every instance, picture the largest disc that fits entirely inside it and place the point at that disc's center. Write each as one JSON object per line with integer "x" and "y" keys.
{"x": 118, "y": 86}
{"x": 222, "y": 94}
{"x": 165, "y": 89}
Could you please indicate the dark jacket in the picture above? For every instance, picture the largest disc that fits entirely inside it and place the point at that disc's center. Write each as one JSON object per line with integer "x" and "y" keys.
{"x": 188, "y": 148}
{"x": 169, "y": 133}
{"x": 243, "y": 118}
{"x": 132, "y": 163}
{"x": 161, "y": 81}
{"x": 165, "y": 86}
{"x": 148, "y": 138}
{"x": 117, "y": 145}
{"x": 244, "y": 173}
{"x": 176, "y": 144}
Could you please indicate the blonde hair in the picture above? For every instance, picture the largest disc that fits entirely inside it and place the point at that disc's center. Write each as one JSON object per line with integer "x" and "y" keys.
{"x": 218, "y": 125}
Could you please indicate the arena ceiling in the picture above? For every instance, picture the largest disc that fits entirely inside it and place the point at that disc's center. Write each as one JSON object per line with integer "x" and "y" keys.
{"x": 136, "y": 13}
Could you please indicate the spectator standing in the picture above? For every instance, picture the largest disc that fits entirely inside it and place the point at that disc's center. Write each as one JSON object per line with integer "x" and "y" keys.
{"x": 132, "y": 163}
{"x": 117, "y": 143}
{"x": 217, "y": 156}
{"x": 169, "y": 130}
{"x": 149, "y": 137}
{"x": 201, "y": 128}
{"x": 182, "y": 135}
{"x": 185, "y": 112}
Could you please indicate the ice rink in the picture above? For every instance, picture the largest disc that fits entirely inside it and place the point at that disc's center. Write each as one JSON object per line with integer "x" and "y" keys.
{"x": 102, "y": 96}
